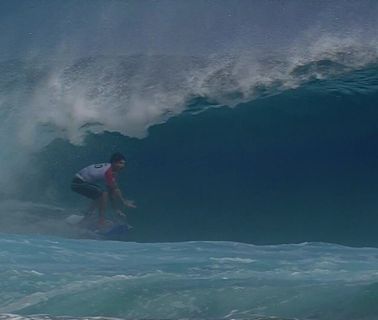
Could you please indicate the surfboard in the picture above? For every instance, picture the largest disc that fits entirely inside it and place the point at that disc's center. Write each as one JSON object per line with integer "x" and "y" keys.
{"x": 113, "y": 231}
{"x": 116, "y": 232}
{"x": 74, "y": 219}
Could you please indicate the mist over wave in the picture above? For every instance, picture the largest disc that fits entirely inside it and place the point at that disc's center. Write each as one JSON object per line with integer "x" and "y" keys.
{"x": 130, "y": 94}
{"x": 91, "y": 84}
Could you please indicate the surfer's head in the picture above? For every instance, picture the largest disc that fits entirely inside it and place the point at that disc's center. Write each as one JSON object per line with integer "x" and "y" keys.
{"x": 118, "y": 161}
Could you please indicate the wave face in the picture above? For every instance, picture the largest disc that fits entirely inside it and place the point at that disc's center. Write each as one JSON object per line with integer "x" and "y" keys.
{"x": 53, "y": 278}
{"x": 267, "y": 136}
{"x": 286, "y": 165}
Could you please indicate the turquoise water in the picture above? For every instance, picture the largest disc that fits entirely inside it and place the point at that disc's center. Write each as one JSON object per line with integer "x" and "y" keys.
{"x": 207, "y": 280}
{"x": 250, "y": 130}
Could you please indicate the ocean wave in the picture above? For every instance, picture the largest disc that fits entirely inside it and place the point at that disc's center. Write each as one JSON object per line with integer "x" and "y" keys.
{"x": 130, "y": 94}
{"x": 181, "y": 281}
{"x": 42, "y": 100}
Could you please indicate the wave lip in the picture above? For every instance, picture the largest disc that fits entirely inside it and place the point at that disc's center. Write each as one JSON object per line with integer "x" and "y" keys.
{"x": 129, "y": 94}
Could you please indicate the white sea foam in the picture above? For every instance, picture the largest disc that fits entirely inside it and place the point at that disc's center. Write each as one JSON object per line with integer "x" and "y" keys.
{"x": 176, "y": 280}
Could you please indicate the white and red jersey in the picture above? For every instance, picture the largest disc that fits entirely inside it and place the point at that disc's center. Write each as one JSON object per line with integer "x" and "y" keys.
{"x": 101, "y": 172}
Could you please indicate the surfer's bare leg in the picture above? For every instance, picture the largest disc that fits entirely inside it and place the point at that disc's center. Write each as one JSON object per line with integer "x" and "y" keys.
{"x": 92, "y": 207}
{"x": 121, "y": 216}
{"x": 102, "y": 201}
{"x": 88, "y": 214}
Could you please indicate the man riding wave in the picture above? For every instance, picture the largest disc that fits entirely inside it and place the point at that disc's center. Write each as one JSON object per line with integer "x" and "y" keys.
{"x": 98, "y": 182}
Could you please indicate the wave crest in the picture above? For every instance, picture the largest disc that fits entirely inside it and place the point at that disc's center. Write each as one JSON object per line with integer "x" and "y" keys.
{"x": 44, "y": 100}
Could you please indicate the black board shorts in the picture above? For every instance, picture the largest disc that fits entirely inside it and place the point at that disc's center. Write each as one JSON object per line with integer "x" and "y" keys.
{"x": 89, "y": 190}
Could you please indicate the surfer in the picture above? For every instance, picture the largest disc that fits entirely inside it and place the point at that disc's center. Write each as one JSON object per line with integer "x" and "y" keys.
{"x": 98, "y": 182}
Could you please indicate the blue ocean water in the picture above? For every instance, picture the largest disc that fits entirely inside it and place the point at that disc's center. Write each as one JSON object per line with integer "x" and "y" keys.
{"x": 83, "y": 279}
{"x": 250, "y": 130}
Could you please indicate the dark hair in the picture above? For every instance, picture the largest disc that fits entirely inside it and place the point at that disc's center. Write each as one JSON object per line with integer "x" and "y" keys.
{"x": 117, "y": 157}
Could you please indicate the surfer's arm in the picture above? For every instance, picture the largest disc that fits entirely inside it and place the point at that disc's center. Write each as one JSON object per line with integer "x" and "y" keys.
{"x": 118, "y": 194}
{"x": 116, "y": 191}
{"x": 115, "y": 206}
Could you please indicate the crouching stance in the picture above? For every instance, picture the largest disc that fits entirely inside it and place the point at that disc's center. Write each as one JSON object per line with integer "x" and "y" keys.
{"x": 98, "y": 182}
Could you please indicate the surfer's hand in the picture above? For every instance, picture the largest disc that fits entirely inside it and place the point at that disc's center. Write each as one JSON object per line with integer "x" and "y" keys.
{"x": 121, "y": 214}
{"x": 129, "y": 204}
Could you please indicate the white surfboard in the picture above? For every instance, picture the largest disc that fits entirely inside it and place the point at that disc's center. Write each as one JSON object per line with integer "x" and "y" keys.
{"x": 74, "y": 219}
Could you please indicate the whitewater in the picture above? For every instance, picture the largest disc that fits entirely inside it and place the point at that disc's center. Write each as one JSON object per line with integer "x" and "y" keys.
{"x": 47, "y": 278}
{"x": 250, "y": 130}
